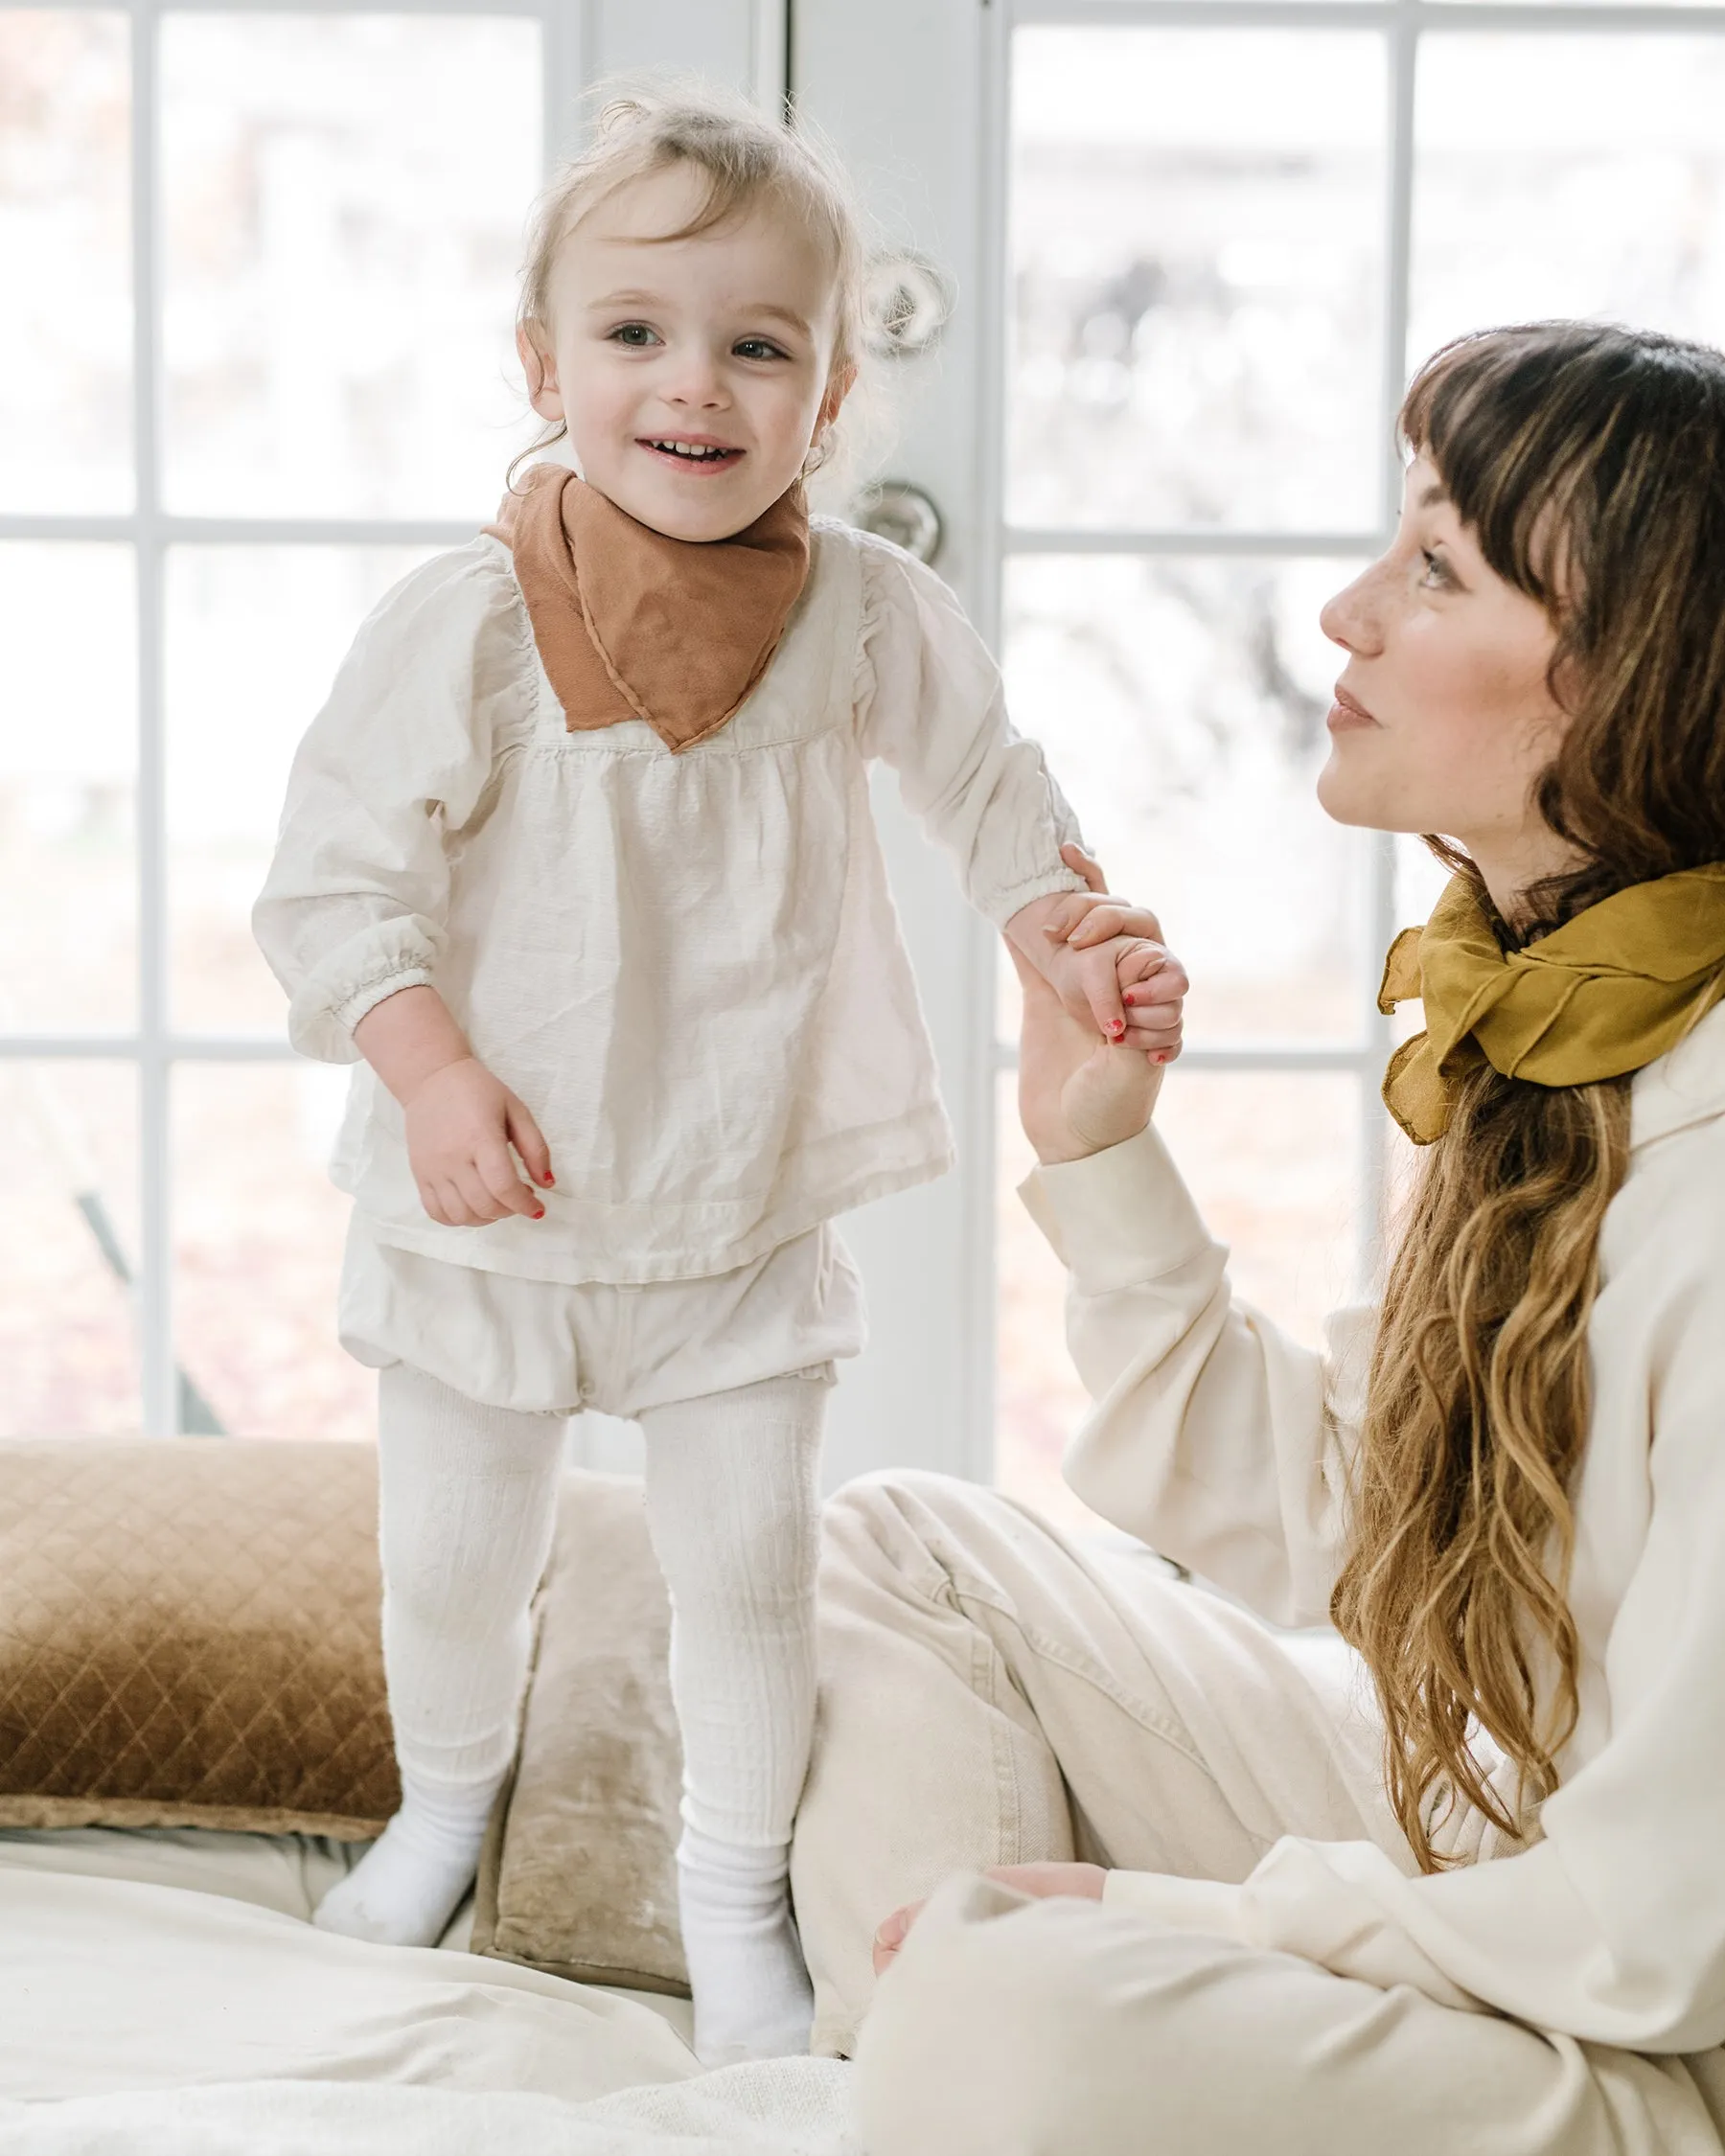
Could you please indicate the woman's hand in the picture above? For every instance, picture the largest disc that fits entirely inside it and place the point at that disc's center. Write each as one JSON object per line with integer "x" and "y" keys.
{"x": 1082, "y": 1882}
{"x": 1078, "y": 1095}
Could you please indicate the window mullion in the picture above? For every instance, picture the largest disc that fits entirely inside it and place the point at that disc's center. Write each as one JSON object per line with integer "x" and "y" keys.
{"x": 155, "y": 1297}
{"x": 1380, "y": 874}
{"x": 1398, "y": 248}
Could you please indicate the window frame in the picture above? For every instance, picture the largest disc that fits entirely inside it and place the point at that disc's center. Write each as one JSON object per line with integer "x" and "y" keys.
{"x": 1404, "y": 25}
{"x": 580, "y": 39}
{"x": 932, "y": 1262}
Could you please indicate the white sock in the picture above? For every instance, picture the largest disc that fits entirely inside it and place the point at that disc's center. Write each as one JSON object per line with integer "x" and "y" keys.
{"x": 753, "y": 1997}
{"x": 410, "y": 1882}
{"x": 731, "y": 1502}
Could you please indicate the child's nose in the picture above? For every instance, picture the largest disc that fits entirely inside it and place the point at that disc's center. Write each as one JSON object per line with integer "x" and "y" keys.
{"x": 697, "y": 380}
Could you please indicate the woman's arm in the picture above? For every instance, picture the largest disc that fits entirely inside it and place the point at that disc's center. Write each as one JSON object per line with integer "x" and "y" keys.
{"x": 1214, "y": 1438}
{"x": 1611, "y": 1926}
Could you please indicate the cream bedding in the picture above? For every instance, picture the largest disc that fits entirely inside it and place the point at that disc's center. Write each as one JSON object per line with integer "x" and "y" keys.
{"x": 193, "y": 2010}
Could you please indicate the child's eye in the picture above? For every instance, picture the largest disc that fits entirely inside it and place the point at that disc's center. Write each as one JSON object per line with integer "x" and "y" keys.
{"x": 1437, "y": 572}
{"x": 756, "y": 348}
{"x": 634, "y": 334}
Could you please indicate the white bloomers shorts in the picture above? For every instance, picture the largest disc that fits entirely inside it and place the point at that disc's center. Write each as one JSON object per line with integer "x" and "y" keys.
{"x": 543, "y": 1347}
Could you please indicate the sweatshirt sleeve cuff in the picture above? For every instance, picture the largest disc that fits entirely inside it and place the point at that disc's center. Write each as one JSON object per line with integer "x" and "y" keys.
{"x": 1184, "y": 1905}
{"x": 1117, "y": 1217}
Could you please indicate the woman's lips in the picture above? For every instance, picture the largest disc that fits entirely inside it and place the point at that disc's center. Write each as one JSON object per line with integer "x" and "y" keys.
{"x": 1345, "y": 713}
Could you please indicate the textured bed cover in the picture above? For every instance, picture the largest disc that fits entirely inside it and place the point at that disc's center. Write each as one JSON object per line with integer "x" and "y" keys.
{"x": 138, "y": 2016}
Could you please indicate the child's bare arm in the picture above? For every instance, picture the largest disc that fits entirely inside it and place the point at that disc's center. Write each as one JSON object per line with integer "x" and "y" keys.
{"x": 461, "y": 1120}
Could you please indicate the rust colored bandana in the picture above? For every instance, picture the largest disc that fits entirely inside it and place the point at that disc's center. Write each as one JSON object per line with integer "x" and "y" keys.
{"x": 633, "y": 625}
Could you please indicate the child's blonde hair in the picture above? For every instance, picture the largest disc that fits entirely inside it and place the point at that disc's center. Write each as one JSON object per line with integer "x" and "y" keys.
{"x": 744, "y": 158}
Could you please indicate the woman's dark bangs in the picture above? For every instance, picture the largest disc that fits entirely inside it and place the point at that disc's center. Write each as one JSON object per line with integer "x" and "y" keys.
{"x": 1510, "y": 455}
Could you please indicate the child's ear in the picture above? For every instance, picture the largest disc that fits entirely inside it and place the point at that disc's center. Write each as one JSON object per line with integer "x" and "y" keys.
{"x": 840, "y": 384}
{"x": 539, "y": 363}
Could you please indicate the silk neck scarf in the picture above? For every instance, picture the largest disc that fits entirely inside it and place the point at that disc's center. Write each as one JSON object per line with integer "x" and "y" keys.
{"x": 633, "y": 625}
{"x": 1604, "y": 994}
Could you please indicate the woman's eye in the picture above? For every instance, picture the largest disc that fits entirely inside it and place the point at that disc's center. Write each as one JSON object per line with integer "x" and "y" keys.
{"x": 633, "y": 334}
{"x": 756, "y": 348}
{"x": 1436, "y": 568}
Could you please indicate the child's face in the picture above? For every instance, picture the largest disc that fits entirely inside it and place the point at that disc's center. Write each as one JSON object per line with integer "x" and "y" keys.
{"x": 721, "y": 344}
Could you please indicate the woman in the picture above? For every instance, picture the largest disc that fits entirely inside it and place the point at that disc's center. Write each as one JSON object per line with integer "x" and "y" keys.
{"x": 1459, "y": 1883}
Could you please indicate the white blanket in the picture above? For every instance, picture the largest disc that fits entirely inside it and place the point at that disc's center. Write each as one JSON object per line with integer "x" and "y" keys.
{"x": 787, "y": 2107}
{"x": 137, "y": 2019}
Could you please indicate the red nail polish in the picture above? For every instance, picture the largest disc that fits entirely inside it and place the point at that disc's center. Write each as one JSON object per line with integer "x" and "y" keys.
{"x": 550, "y": 1179}
{"x": 538, "y": 1212}
{"x": 1128, "y": 999}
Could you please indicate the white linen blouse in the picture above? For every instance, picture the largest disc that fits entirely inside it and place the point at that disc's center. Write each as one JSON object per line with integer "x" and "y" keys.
{"x": 688, "y": 966}
{"x": 1224, "y": 1444}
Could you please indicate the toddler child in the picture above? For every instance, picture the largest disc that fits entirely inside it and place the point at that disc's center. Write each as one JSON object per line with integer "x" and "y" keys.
{"x": 577, "y": 859}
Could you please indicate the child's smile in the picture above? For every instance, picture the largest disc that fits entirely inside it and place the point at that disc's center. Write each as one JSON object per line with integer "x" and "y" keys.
{"x": 695, "y": 454}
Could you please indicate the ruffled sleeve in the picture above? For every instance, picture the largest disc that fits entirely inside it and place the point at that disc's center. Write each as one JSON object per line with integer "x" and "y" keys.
{"x": 929, "y": 701}
{"x": 435, "y": 686}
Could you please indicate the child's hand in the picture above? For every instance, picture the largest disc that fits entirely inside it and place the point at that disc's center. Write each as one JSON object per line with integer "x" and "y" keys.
{"x": 1110, "y": 966}
{"x": 1149, "y": 981}
{"x": 1126, "y": 985}
{"x": 461, "y": 1122}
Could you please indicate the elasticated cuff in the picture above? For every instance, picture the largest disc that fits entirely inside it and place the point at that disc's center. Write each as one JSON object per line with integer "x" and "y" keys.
{"x": 1119, "y": 1217}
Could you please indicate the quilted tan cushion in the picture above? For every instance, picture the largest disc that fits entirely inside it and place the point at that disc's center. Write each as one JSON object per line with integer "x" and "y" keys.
{"x": 579, "y": 1872}
{"x": 189, "y": 1637}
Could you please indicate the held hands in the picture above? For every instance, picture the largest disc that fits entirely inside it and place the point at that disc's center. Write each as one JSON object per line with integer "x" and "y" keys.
{"x": 1105, "y": 960}
{"x": 461, "y": 1120}
{"x": 1082, "y": 1882}
{"x": 1078, "y": 1094}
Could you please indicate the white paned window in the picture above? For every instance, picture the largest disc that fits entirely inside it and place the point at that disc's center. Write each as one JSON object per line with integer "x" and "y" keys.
{"x": 1220, "y": 233}
{"x": 255, "y": 363}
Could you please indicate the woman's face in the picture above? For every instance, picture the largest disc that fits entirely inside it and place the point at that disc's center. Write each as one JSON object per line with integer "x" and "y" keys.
{"x": 1442, "y": 720}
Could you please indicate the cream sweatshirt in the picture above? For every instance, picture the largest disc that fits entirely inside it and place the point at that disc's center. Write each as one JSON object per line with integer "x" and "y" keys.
{"x": 1225, "y": 1444}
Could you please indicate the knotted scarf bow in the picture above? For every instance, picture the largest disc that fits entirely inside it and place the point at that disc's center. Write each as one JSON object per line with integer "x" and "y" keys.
{"x": 633, "y": 625}
{"x": 1605, "y": 994}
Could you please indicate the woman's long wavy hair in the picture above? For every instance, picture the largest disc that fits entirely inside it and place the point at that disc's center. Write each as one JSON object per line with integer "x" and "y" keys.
{"x": 1589, "y": 463}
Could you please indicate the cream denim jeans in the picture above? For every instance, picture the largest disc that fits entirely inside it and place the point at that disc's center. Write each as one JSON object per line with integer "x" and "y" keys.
{"x": 992, "y": 1693}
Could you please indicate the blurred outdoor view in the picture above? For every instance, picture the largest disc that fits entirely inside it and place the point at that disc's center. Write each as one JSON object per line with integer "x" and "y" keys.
{"x": 1196, "y": 253}
{"x": 342, "y": 207}
{"x": 1195, "y": 239}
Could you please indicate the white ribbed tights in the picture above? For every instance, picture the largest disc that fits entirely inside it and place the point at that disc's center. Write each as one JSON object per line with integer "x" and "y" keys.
{"x": 468, "y": 1497}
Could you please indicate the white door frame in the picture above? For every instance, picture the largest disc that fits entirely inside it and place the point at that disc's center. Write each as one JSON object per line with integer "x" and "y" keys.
{"x": 900, "y": 90}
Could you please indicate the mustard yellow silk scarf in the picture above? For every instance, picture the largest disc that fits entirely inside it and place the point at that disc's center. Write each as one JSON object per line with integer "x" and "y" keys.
{"x": 1605, "y": 994}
